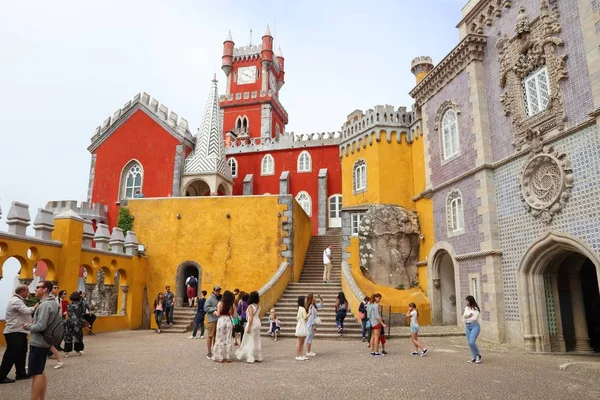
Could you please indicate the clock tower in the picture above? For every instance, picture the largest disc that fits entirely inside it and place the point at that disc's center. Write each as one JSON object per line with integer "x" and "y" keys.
{"x": 251, "y": 106}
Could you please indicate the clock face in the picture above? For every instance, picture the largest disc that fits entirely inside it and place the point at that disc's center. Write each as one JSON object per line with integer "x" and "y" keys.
{"x": 246, "y": 75}
{"x": 272, "y": 82}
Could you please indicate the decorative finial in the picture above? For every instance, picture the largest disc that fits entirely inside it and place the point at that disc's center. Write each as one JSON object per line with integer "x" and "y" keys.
{"x": 229, "y": 38}
{"x": 279, "y": 53}
{"x": 250, "y": 36}
{"x": 214, "y": 79}
{"x": 268, "y": 31}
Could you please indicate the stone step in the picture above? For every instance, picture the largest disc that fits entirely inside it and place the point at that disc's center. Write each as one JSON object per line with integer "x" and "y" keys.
{"x": 327, "y": 320}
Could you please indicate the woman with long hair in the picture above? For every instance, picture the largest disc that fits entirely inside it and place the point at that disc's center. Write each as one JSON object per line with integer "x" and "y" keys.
{"x": 223, "y": 340}
{"x": 62, "y": 295}
{"x": 159, "y": 309}
{"x": 376, "y": 322}
{"x": 74, "y": 325}
{"x": 251, "y": 347}
{"x": 341, "y": 309}
{"x": 362, "y": 314}
{"x": 312, "y": 321}
{"x": 413, "y": 314}
{"x": 241, "y": 308}
{"x": 471, "y": 318}
{"x": 301, "y": 331}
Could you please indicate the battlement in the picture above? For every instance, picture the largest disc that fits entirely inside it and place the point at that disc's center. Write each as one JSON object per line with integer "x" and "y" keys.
{"x": 383, "y": 116}
{"x": 421, "y": 60}
{"x": 232, "y": 98}
{"x": 89, "y": 211}
{"x": 285, "y": 141}
{"x": 171, "y": 120}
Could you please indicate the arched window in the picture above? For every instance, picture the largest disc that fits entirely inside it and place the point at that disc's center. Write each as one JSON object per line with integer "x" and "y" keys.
{"x": 232, "y": 162}
{"x": 241, "y": 125}
{"x": 131, "y": 180}
{"x": 450, "y": 134}
{"x": 359, "y": 176}
{"x": 304, "y": 162}
{"x": 454, "y": 213}
{"x": 536, "y": 91}
{"x": 268, "y": 165}
{"x": 305, "y": 202}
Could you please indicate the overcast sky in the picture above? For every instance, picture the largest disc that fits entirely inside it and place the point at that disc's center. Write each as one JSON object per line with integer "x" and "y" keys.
{"x": 66, "y": 65}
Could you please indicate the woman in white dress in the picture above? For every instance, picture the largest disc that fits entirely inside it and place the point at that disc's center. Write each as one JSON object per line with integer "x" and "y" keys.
{"x": 251, "y": 347}
{"x": 224, "y": 337}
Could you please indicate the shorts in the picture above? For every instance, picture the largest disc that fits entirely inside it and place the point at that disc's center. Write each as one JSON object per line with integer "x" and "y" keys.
{"x": 378, "y": 326}
{"x": 37, "y": 360}
{"x": 212, "y": 329}
{"x": 414, "y": 329}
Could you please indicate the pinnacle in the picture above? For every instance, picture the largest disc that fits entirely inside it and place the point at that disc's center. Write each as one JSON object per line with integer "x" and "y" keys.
{"x": 268, "y": 31}
{"x": 279, "y": 53}
{"x": 229, "y": 38}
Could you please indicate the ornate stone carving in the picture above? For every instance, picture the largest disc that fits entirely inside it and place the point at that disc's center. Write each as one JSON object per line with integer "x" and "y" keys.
{"x": 533, "y": 47}
{"x": 447, "y": 105}
{"x": 481, "y": 14}
{"x": 389, "y": 245}
{"x": 546, "y": 181}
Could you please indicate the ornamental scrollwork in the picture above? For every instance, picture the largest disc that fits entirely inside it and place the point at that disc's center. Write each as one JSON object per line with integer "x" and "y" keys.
{"x": 447, "y": 105}
{"x": 546, "y": 180}
{"x": 533, "y": 47}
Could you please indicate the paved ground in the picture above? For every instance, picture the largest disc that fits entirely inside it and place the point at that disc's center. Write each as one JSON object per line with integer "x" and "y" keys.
{"x": 145, "y": 365}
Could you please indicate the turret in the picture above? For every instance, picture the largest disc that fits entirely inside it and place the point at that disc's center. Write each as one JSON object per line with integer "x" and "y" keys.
{"x": 421, "y": 66}
{"x": 266, "y": 56}
{"x": 281, "y": 62}
{"x": 227, "y": 58}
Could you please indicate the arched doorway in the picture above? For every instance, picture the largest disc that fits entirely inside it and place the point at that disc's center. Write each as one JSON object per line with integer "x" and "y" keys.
{"x": 447, "y": 289}
{"x": 443, "y": 280}
{"x": 184, "y": 271}
{"x": 197, "y": 188}
{"x": 558, "y": 284}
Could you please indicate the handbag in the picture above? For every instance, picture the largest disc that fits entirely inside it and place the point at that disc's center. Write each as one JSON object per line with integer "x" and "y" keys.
{"x": 368, "y": 324}
{"x": 318, "y": 321}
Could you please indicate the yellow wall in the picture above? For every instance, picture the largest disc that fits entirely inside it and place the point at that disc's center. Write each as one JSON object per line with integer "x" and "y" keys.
{"x": 397, "y": 299}
{"x": 242, "y": 251}
{"x": 302, "y": 232}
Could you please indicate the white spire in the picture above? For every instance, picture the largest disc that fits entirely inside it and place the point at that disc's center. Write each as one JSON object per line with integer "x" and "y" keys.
{"x": 268, "y": 31}
{"x": 229, "y": 38}
{"x": 279, "y": 53}
{"x": 208, "y": 156}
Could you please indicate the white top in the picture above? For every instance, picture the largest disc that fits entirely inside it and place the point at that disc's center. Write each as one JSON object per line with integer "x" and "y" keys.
{"x": 472, "y": 318}
{"x": 17, "y": 314}
{"x": 413, "y": 317}
{"x": 327, "y": 256}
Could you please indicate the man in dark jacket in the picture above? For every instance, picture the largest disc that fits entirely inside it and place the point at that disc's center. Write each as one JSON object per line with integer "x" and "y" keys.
{"x": 199, "y": 318}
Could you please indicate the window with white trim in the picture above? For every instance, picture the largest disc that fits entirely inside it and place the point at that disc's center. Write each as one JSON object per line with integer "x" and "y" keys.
{"x": 355, "y": 222}
{"x": 305, "y": 202}
{"x": 232, "y": 162}
{"x": 359, "y": 176}
{"x": 456, "y": 209}
{"x": 132, "y": 180}
{"x": 304, "y": 162}
{"x": 475, "y": 288}
{"x": 450, "y": 134}
{"x": 536, "y": 91}
{"x": 267, "y": 165}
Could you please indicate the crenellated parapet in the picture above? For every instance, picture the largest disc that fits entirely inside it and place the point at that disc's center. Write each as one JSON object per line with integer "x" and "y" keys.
{"x": 248, "y": 53}
{"x": 255, "y": 96}
{"x": 88, "y": 211}
{"x": 171, "y": 121}
{"x": 285, "y": 141}
{"x": 381, "y": 116}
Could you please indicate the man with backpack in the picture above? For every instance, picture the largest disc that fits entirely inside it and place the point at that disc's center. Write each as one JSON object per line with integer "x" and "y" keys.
{"x": 192, "y": 287}
{"x": 45, "y": 331}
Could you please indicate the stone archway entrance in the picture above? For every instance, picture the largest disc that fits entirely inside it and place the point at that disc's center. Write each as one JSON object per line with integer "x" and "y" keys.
{"x": 558, "y": 284}
{"x": 443, "y": 282}
{"x": 185, "y": 270}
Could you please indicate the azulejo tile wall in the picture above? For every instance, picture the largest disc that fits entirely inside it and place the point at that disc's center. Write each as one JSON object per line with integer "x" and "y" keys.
{"x": 580, "y": 217}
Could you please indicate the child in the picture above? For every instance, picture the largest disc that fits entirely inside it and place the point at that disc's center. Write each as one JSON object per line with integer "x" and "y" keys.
{"x": 414, "y": 329}
{"x": 274, "y": 325}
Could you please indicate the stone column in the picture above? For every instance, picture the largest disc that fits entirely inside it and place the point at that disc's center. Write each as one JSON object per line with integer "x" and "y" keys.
{"x": 124, "y": 290}
{"x": 322, "y": 202}
{"x": 248, "y": 185}
{"x": 560, "y": 338}
{"x": 284, "y": 183}
{"x": 582, "y": 339}
{"x": 110, "y": 305}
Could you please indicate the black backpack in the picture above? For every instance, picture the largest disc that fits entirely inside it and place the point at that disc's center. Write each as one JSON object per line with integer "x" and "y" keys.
{"x": 193, "y": 281}
{"x": 55, "y": 330}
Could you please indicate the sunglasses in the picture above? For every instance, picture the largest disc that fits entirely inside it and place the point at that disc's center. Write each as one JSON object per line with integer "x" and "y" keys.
{"x": 38, "y": 287}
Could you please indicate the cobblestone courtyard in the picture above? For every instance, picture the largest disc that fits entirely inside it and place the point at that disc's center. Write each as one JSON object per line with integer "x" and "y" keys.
{"x": 144, "y": 365}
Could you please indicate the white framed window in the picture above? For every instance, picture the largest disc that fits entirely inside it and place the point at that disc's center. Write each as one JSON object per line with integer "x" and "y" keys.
{"x": 455, "y": 213}
{"x": 267, "y": 165}
{"x": 233, "y": 165}
{"x": 475, "y": 288}
{"x": 359, "y": 176}
{"x": 305, "y": 202}
{"x": 131, "y": 180}
{"x": 536, "y": 91}
{"x": 450, "y": 134}
{"x": 241, "y": 125}
{"x": 304, "y": 162}
{"x": 355, "y": 222}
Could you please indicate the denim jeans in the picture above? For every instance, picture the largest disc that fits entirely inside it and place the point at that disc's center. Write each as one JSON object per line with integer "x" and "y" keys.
{"x": 472, "y": 331}
{"x": 198, "y": 322}
{"x": 339, "y": 318}
{"x": 169, "y": 312}
{"x": 364, "y": 328}
{"x": 158, "y": 316}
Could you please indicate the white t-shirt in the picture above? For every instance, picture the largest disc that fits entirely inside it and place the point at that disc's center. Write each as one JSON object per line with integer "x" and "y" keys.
{"x": 413, "y": 317}
{"x": 327, "y": 256}
{"x": 473, "y": 318}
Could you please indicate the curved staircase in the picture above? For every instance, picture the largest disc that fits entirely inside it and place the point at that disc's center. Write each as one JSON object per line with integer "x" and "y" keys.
{"x": 311, "y": 281}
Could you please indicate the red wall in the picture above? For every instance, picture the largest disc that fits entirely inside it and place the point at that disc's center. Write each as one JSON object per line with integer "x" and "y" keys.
{"x": 253, "y": 113}
{"x": 287, "y": 160}
{"x": 140, "y": 138}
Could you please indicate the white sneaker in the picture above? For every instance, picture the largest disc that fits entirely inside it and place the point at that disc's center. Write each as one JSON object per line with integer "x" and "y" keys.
{"x": 80, "y": 353}
{"x": 311, "y": 354}
{"x": 202, "y": 337}
{"x": 58, "y": 365}
{"x": 191, "y": 337}
{"x": 299, "y": 358}
{"x": 304, "y": 358}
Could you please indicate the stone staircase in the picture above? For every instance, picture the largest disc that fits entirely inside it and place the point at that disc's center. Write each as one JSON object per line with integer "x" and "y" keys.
{"x": 183, "y": 320}
{"x": 311, "y": 281}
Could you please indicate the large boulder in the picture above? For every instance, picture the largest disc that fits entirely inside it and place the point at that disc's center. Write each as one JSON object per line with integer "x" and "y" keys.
{"x": 389, "y": 245}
